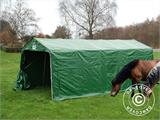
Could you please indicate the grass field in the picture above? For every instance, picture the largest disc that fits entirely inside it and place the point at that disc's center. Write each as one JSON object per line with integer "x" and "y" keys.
{"x": 37, "y": 103}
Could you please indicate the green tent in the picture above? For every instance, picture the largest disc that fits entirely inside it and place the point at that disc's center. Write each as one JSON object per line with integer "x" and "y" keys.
{"x": 76, "y": 68}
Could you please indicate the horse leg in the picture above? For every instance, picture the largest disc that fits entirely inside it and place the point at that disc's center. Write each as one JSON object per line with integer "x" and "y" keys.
{"x": 139, "y": 89}
{"x": 133, "y": 88}
{"x": 138, "y": 79}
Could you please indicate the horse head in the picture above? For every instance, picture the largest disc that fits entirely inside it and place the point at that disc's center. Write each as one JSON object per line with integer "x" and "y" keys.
{"x": 124, "y": 73}
{"x": 115, "y": 88}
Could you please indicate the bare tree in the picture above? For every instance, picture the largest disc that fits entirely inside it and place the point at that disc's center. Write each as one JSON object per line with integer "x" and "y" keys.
{"x": 21, "y": 18}
{"x": 89, "y": 15}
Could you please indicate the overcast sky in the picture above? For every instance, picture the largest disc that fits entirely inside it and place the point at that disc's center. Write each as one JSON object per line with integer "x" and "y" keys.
{"x": 128, "y": 12}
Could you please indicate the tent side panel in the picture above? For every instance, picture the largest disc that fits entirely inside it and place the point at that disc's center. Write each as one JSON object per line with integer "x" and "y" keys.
{"x": 85, "y": 73}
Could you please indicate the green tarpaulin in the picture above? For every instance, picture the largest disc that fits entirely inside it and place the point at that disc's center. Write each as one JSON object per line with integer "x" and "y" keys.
{"x": 76, "y": 68}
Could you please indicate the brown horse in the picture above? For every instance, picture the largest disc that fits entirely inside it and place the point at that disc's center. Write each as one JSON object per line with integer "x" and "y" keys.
{"x": 136, "y": 70}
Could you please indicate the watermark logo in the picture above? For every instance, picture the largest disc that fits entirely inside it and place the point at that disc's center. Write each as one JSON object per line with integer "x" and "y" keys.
{"x": 138, "y": 104}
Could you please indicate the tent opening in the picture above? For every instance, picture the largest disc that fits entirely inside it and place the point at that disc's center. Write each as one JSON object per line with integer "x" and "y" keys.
{"x": 36, "y": 65}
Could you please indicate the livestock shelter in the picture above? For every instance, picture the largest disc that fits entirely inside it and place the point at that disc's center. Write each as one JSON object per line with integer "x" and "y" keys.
{"x": 76, "y": 68}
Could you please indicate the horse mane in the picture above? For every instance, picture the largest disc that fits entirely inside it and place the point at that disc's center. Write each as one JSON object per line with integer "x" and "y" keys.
{"x": 125, "y": 72}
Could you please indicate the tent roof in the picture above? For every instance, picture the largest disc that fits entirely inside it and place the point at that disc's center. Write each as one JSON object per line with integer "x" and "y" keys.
{"x": 80, "y": 44}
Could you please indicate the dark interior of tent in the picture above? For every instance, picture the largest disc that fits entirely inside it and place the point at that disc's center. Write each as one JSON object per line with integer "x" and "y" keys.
{"x": 36, "y": 65}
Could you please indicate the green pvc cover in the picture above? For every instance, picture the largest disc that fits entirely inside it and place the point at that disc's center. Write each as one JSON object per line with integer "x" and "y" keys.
{"x": 76, "y": 68}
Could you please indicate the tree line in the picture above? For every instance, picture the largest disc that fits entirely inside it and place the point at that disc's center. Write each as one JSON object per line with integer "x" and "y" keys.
{"x": 147, "y": 32}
